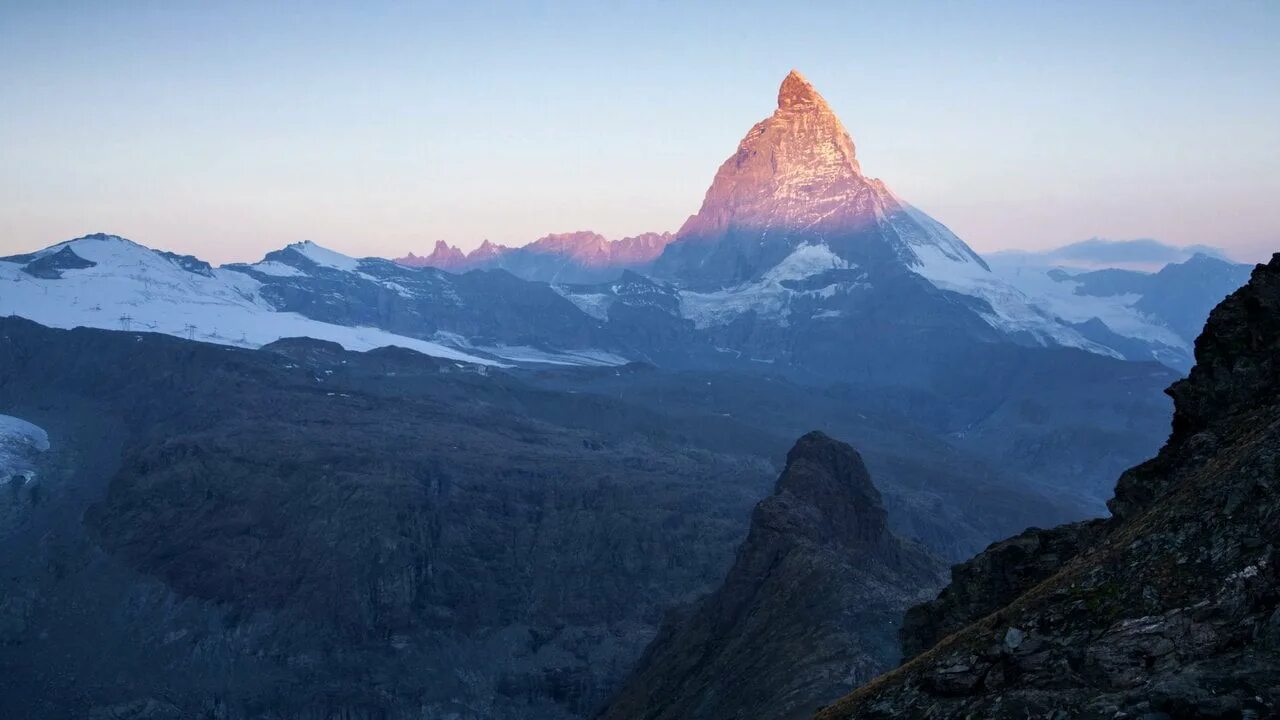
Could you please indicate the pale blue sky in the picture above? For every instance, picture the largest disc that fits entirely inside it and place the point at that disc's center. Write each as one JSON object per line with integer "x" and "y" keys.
{"x": 227, "y": 129}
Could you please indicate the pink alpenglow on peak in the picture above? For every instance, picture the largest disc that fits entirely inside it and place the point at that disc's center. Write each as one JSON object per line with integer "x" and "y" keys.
{"x": 559, "y": 257}
{"x": 594, "y": 250}
{"x": 795, "y": 180}
{"x": 444, "y": 256}
{"x": 795, "y": 169}
{"x": 488, "y": 250}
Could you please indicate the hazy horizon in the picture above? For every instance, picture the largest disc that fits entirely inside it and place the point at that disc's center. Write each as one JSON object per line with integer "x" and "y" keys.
{"x": 229, "y": 132}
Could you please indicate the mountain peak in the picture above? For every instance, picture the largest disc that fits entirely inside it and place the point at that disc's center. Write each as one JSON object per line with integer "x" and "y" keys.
{"x": 830, "y": 477}
{"x": 796, "y": 90}
{"x": 796, "y": 170}
{"x": 322, "y": 256}
{"x": 795, "y": 180}
{"x": 488, "y": 250}
{"x": 820, "y": 538}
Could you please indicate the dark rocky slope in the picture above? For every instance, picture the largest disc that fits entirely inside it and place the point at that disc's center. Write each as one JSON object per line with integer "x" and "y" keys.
{"x": 1166, "y": 610}
{"x": 302, "y": 531}
{"x": 810, "y": 605}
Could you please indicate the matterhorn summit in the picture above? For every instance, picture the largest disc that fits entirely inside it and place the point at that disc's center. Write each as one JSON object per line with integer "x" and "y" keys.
{"x": 795, "y": 180}
{"x": 795, "y": 170}
{"x": 792, "y": 206}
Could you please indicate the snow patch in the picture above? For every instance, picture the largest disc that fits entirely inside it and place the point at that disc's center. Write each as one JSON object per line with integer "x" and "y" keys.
{"x": 19, "y": 442}
{"x": 767, "y": 296}
{"x": 945, "y": 261}
{"x": 1058, "y": 297}
{"x": 325, "y": 257}
{"x": 580, "y": 358}
{"x": 805, "y": 261}
{"x": 16, "y": 430}
{"x": 527, "y": 354}
{"x": 134, "y": 288}
{"x": 277, "y": 269}
{"x": 594, "y": 304}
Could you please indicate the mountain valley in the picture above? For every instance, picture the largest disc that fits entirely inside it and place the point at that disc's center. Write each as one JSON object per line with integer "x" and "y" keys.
{"x": 518, "y": 483}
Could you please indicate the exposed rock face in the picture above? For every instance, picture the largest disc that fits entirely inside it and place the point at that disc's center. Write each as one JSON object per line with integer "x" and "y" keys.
{"x": 444, "y": 256}
{"x": 795, "y": 168}
{"x": 795, "y": 179}
{"x": 808, "y": 607}
{"x": 582, "y": 256}
{"x": 1166, "y": 610}
{"x": 989, "y": 581}
{"x": 303, "y": 532}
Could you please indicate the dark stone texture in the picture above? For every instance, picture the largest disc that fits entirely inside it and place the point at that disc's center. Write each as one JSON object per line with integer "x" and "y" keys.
{"x": 807, "y": 608}
{"x": 1168, "y": 609}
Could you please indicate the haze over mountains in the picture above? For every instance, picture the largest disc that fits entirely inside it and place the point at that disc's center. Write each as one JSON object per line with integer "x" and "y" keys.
{"x": 490, "y": 518}
{"x": 566, "y": 257}
{"x": 793, "y": 248}
{"x": 1100, "y": 253}
{"x": 1167, "y": 609}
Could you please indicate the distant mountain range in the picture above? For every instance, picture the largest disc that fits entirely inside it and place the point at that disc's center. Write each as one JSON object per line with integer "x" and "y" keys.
{"x": 1095, "y": 253}
{"x": 796, "y": 259}
{"x": 1166, "y": 609}
{"x": 574, "y": 257}
{"x": 211, "y": 488}
{"x": 1143, "y": 315}
{"x": 797, "y": 265}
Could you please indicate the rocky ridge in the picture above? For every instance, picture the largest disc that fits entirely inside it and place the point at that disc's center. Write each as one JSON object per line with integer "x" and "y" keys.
{"x": 809, "y": 605}
{"x": 1166, "y": 610}
{"x": 574, "y": 257}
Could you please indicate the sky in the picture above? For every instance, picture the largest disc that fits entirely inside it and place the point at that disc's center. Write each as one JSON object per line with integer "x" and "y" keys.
{"x": 229, "y": 129}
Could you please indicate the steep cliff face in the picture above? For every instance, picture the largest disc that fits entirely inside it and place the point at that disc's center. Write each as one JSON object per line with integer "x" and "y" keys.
{"x": 809, "y": 606}
{"x": 302, "y": 532}
{"x": 795, "y": 180}
{"x": 989, "y": 581}
{"x": 1168, "y": 609}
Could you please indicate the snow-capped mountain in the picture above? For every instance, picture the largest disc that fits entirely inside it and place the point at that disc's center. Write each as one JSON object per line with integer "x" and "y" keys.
{"x": 795, "y": 176}
{"x": 796, "y": 260}
{"x": 1145, "y": 315}
{"x": 576, "y": 257}
{"x": 792, "y": 205}
{"x": 1146, "y": 254}
{"x": 107, "y": 281}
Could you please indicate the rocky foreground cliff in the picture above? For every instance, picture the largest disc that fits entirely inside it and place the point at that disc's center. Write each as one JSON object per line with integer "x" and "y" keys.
{"x": 1166, "y": 610}
{"x": 810, "y": 606}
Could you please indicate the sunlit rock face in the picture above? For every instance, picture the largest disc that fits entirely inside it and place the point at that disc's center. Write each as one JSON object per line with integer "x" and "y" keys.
{"x": 573, "y": 257}
{"x": 444, "y": 256}
{"x": 794, "y": 179}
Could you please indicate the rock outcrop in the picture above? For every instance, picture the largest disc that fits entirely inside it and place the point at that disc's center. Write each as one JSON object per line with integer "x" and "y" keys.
{"x": 1166, "y": 610}
{"x": 989, "y": 581}
{"x": 573, "y": 257}
{"x": 810, "y": 604}
{"x": 443, "y": 256}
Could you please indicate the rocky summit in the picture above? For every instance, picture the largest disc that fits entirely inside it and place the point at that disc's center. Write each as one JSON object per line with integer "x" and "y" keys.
{"x": 795, "y": 179}
{"x": 1166, "y": 610}
{"x": 810, "y": 605}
